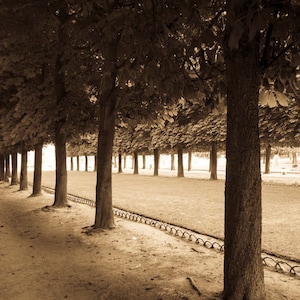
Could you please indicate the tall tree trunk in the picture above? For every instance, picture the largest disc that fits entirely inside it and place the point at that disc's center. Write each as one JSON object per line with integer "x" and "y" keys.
{"x": 104, "y": 217}
{"x": 2, "y": 164}
{"x": 156, "y": 162}
{"x": 120, "y": 163}
{"x": 37, "y": 175}
{"x": 243, "y": 269}
{"x": 86, "y": 163}
{"x": 180, "y": 172}
{"x": 136, "y": 162}
{"x": 60, "y": 197}
{"x": 95, "y": 163}
{"x": 78, "y": 163}
{"x": 190, "y": 156}
{"x": 213, "y": 161}
{"x": 23, "y": 174}
{"x": 172, "y": 162}
{"x": 14, "y": 169}
{"x": 268, "y": 159}
{"x": 72, "y": 163}
{"x": 104, "y": 214}
{"x": 144, "y": 162}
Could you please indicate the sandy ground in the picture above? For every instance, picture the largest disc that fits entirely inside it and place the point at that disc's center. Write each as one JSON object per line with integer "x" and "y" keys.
{"x": 48, "y": 255}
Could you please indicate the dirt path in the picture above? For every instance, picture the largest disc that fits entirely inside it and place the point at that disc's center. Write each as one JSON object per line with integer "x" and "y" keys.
{"x": 46, "y": 255}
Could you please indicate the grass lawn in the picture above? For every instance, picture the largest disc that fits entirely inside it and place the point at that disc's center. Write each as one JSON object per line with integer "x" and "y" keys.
{"x": 196, "y": 204}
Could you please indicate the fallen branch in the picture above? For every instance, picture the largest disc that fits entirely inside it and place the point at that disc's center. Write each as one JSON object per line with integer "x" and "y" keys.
{"x": 193, "y": 284}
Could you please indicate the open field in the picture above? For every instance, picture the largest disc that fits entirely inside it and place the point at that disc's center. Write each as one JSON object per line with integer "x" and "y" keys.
{"x": 197, "y": 204}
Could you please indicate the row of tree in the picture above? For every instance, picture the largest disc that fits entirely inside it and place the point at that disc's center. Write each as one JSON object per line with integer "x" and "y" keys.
{"x": 68, "y": 65}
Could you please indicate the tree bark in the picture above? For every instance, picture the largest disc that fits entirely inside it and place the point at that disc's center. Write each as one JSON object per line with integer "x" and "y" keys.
{"x": 190, "y": 156}
{"x": 104, "y": 217}
{"x": 136, "y": 162}
{"x": 268, "y": 159}
{"x": 23, "y": 174}
{"x": 60, "y": 197}
{"x": 14, "y": 169}
{"x": 37, "y": 175}
{"x": 180, "y": 172}
{"x": 243, "y": 269}
{"x": 86, "y": 163}
{"x": 120, "y": 163}
{"x": 213, "y": 161}
{"x": 60, "y": 139}
{"x": 156, "y": 162}
{"x": 71, "y": 163}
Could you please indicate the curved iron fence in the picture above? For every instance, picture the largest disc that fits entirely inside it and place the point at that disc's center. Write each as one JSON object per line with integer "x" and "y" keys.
{"x": 278, "y": 264}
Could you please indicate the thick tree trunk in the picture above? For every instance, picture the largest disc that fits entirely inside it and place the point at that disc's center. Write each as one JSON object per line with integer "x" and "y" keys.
{"x": 104, "y": 214}
{"x": 2, "y": 164}
{"x": 14, "y": 169}
{"x": 136, "y": 162}
{"x": 72, "y": 163}
{"x": 180, "y": 172}
{"x": 144, "y": 162}
{"x": 172, "y": 162}
{"x": 120, "y": 163}
{"x": 37, "y": 175}
{"x": 190, "y": 156}
{"x": 23, "y": 174}
{"x": 213, "y": 161}
{"x": 243, "y": 269}
{"x": 268, "y": 159}
{"x": 86, "y": 163}
{"x": 156, "y": 162}
{"x": 60, "y": 197}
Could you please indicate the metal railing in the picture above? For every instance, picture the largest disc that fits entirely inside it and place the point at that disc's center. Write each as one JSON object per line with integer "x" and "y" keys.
{"x": 272, "y": 261}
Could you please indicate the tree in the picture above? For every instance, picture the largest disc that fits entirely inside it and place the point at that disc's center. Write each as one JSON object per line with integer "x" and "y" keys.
{"x": 23, "y": 174}
{"x": 244, "y": 279}
{"x": 14, "y": 164}
{"x": 37, "y": 175}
